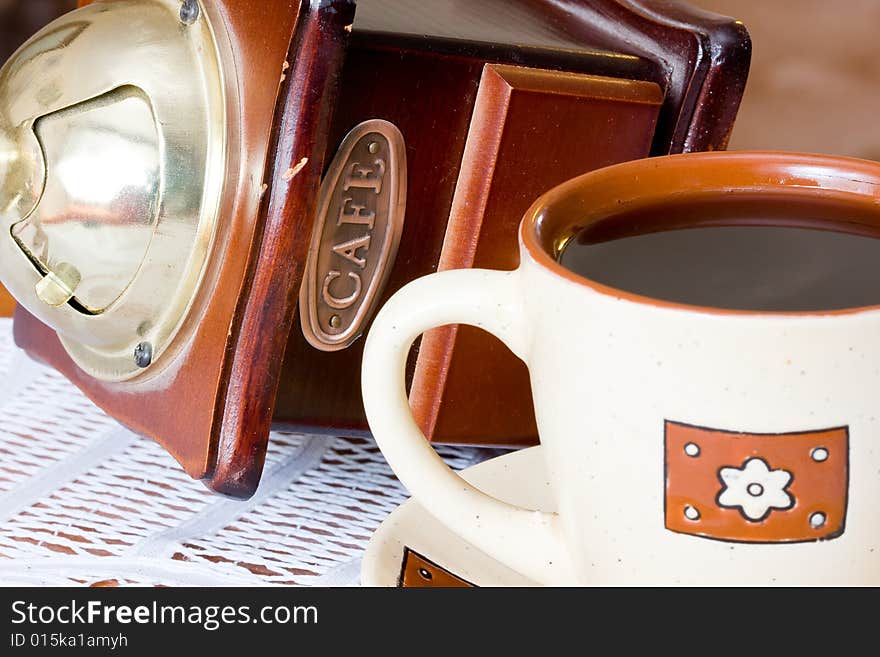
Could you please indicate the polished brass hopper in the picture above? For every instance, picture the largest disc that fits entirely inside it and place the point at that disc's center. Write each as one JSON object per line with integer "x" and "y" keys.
{"x": 113, "y": 134}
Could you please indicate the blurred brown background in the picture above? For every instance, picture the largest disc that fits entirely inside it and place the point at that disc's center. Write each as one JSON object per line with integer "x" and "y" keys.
{"x": 814, "y": 79}
{"x": 20, "y": 18}
{"x": 813, "y": 85}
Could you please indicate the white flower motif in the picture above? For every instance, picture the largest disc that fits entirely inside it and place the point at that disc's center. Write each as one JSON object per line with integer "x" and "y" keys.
{"x": 755, "y": 489}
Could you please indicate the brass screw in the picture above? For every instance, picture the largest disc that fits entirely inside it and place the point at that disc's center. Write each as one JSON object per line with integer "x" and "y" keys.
{"x": 335, "y": 321}
{"x": 373, "y": 147}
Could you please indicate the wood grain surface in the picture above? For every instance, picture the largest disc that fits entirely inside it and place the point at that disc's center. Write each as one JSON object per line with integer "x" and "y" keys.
{"x": 265, "y": 314}
{"x": 468, "y": 387}
{"x": 465, "y": 386}
{"x": 428, "y": 90}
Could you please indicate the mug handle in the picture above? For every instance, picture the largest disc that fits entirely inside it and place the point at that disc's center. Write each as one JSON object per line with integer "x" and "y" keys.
{"x": 531, "y": 542}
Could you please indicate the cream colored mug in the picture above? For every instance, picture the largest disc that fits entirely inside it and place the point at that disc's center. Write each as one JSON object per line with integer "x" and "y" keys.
{"x": 684, "y": 444}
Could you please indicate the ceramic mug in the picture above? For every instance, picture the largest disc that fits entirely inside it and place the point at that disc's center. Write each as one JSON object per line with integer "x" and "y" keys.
{"x": 684, "y": 444}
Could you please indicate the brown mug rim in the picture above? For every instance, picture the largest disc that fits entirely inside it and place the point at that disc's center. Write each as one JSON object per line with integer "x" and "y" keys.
{"x": 731, "y": 188}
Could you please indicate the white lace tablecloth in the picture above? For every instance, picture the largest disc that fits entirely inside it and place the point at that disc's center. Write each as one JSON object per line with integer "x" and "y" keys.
{"x": 84, "y": 501}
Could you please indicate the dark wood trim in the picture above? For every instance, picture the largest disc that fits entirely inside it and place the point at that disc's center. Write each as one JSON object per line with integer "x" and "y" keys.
{"x": 265, "y": 314}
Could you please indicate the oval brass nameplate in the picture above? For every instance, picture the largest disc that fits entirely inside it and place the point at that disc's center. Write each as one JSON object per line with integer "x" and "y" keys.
{"x": 357, "y": 231}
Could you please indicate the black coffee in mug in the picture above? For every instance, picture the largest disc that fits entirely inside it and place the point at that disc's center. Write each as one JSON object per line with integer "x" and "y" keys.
{"x": 761, "y": 268}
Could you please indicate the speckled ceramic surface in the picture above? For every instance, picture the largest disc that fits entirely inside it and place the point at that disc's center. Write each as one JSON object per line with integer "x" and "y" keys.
{"x": 519, "y": 478}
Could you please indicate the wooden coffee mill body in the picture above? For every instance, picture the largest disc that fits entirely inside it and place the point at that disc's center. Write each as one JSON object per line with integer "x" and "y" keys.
{"x": 496, "y": 102}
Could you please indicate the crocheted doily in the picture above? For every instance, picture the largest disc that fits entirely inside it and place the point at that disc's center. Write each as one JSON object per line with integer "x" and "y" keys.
{"x": 85, "y": 501}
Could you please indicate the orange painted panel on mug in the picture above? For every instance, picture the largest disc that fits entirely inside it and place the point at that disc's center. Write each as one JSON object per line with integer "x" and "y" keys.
{"x": 756, "y": 488}
{"x": 420, "y": 572}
